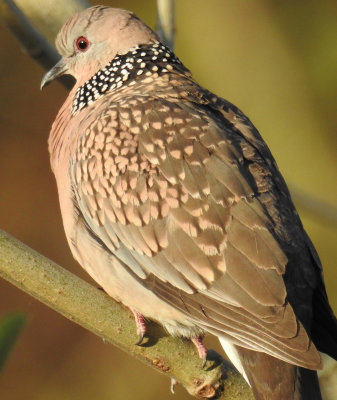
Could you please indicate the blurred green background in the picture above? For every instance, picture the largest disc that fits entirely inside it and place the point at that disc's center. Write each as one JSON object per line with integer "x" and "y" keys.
{"x": 277, "y": 61}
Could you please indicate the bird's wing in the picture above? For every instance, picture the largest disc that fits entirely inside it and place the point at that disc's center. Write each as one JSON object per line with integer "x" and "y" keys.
{"x": 167, "y": 189}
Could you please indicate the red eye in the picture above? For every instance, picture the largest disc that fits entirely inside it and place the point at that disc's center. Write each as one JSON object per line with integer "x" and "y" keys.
{"x": 82, "y": 43}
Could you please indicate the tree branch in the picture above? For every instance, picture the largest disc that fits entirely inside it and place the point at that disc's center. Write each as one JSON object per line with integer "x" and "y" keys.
{"x": 35, "y": 44}
{"x": 47, "y": 16}
{"x": 94, "y": 310}
{"x": 165, "y": 21}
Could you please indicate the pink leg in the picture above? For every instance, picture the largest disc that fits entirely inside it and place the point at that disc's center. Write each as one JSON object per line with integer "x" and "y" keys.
{"x": 202, "y": 351}
{"x": 141, "y": 326}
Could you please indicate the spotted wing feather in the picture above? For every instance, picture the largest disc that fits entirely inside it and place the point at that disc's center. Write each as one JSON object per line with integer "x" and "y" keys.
{"x": 169, "y": 189}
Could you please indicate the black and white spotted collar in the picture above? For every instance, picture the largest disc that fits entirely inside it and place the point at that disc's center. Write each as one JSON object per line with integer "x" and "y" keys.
{"x": 140, "y": 60}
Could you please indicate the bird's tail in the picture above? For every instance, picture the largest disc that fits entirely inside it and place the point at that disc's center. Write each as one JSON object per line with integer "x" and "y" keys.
{"x": 273, "y": 379}
{"x": 308, "y": 385}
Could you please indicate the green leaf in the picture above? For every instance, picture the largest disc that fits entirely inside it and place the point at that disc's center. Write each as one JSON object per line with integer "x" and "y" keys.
{"x": 10, "y": 327}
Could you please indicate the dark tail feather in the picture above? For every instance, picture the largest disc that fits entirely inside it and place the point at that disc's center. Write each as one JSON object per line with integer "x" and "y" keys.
{"x": 324, "y": 325}
{"x": 308, "y": 384}
{"x": 273, "y": 379}
{"x": 323, "y": 330}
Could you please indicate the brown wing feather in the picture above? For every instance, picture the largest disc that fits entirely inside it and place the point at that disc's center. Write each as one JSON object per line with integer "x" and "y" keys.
{"x": 171, "y": 190}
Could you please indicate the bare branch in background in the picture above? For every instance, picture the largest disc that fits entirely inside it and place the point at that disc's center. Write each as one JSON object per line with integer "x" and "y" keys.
{"x": 14, "y": 16}
{"x": 33, "y": 43}
{"x": 165, "y": 21}
{"x": 47, "y": 16}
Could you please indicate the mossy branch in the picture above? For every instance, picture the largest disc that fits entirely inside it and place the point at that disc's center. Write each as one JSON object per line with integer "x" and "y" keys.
{"x": 94, "y": 310}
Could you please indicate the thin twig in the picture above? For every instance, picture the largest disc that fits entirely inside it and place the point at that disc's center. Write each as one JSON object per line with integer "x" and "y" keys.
{"x": 47, "y": 16}
{"x": 165, "y": 21}
{"x": 33, "y": 43}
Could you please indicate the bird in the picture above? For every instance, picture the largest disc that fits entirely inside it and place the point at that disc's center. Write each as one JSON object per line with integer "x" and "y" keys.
{"x": 173, "y": 203}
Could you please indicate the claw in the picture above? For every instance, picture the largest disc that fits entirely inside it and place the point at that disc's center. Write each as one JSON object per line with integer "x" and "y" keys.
{"x": 141, "y": 327}
{"x": 202, "y": 351}
{"x": 140, "y": 339}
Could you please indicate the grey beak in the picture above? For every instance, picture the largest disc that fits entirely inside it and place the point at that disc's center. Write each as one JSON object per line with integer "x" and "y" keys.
{"x": 58, "y": 70}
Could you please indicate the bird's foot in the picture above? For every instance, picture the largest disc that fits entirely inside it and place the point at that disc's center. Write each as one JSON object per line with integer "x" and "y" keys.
{"x": 201, "y": 348}
{"x": 141, "y": 327}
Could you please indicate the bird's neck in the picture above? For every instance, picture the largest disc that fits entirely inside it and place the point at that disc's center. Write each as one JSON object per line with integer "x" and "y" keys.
{"x": 143, "y": 62}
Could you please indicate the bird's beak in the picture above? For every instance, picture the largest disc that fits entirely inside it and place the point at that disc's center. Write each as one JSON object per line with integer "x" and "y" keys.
{"x": 58, "y": 70}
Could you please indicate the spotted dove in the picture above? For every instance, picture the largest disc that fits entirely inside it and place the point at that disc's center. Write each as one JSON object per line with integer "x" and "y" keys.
{"x": 173, "y": 203}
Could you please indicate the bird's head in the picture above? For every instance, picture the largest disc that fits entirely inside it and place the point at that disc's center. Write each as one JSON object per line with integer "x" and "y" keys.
{"x": 92, "y": 38}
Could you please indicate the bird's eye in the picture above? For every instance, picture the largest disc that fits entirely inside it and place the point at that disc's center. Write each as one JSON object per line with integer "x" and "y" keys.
{"x": 82, "y": 44}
